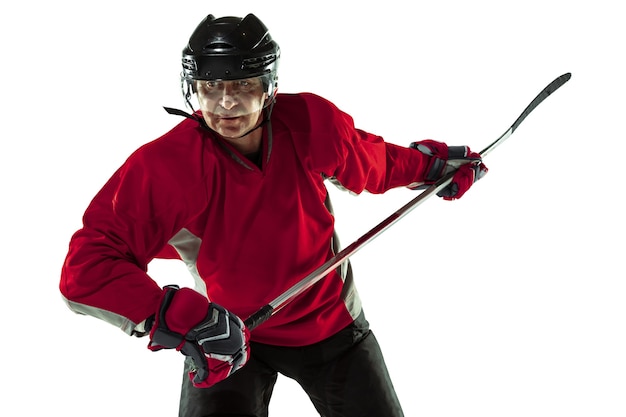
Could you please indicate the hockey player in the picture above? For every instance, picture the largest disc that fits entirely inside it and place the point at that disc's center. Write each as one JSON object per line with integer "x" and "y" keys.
{"x": 237, "y": 192}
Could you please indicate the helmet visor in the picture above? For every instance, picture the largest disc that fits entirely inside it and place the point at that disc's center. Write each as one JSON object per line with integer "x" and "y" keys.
{"x": 232, "y": 97}
{"x": 231, "y": 107}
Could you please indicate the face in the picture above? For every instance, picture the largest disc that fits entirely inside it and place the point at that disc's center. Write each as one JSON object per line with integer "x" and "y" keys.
{"x": 232, "y": 107}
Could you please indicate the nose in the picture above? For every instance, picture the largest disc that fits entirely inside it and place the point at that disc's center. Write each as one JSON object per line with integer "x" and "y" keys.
{"x": 228, "y": 100}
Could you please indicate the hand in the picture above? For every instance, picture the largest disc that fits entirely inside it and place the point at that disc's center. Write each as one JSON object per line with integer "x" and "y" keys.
{"x": 216, "y": 339}
{"x": 467, "y": 165}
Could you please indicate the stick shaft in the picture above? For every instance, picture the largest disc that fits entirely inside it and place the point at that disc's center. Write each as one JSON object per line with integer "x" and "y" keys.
{"x": 301, "y": 286}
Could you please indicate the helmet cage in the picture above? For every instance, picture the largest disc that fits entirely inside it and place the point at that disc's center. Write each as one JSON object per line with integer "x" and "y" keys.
{"x": 189, "y": 89}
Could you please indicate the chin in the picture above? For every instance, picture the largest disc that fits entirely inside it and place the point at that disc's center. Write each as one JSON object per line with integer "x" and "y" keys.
{"x": 231, "y": 133}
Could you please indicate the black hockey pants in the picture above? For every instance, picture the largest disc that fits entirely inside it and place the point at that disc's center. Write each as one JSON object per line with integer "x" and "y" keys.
{"x": 344, "y": 376}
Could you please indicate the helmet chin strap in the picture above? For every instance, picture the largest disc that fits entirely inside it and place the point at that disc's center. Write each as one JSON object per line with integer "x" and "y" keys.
{"x": 267, "y": 111}
{"x": 194, "y": 116}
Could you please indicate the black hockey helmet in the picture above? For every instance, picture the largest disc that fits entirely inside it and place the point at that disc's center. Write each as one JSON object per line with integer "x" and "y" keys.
{"x": 230, "y": 48}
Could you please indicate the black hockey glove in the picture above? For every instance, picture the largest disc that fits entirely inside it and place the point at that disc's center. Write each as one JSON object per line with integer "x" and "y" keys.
{"x": 216, "y": 339}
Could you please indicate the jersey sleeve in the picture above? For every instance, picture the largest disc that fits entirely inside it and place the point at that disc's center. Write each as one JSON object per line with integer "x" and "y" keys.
{"x": 126, "y": 225}
{"x": 358, "y": 160}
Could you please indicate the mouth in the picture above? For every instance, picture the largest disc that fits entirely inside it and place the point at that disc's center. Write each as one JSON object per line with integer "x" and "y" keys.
{"x": 229, "y": 120}
{"x": 229, "y": 116}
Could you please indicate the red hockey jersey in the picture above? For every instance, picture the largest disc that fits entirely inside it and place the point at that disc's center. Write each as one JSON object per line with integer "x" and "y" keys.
{"x": 246, "y": 233}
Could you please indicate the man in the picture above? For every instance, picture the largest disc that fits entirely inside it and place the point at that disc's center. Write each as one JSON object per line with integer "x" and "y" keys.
{"x": 237, "y": 192}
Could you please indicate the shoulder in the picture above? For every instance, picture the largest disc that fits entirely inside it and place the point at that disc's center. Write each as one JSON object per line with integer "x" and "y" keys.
{"x": 174, "y": 159}
{"x": 300, "y": 101}
{"x": 179, "y": 148}
{"x": 319, "y": 131}
{"x": 166, "y": 174}
{"x": 176, "y": 143}
{"x": 309, "y": 111}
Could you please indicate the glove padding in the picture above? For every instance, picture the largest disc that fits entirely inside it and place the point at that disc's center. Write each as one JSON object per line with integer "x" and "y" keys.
{"x": 468, "y": 167}
{"x": 216, "y": 340}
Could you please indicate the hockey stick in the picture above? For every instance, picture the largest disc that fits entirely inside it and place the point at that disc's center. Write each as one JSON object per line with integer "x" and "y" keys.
{"x": 281, "y": 301}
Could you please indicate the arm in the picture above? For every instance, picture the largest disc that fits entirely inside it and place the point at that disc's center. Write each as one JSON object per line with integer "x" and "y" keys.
{"x": 126, "y": 225}
{"x": 366, "y": 162}
{"x": 352, "y": 158}
{"x": 376, "y": 166}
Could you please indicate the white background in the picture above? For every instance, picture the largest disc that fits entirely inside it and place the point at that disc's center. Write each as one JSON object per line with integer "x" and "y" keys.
{"x": 508, "y": 302}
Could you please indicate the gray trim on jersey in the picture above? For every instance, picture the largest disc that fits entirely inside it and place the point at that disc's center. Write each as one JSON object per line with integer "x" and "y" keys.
{"x": 123, "y": 323}
{"x": 188, "y": 246}
{"x": 349, "y": 293}
{"x": 334, "y": 181}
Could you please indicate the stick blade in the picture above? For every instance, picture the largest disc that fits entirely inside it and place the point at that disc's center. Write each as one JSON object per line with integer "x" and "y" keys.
{"x": 547, "y": 91}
